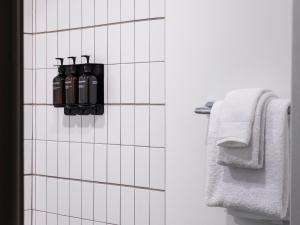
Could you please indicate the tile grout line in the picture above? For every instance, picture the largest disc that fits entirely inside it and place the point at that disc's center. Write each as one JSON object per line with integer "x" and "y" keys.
{"x": 98, "y": 25}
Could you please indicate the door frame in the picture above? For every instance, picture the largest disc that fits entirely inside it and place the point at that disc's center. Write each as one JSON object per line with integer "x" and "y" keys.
{"x": 11, "y": 113}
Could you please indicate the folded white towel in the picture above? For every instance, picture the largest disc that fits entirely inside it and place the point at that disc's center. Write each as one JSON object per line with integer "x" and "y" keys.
{"x": 237, "y": 117}
{"x": 265, "y": 191}
{"x": 250, "y": 216}
{"x": 251, "y": 156}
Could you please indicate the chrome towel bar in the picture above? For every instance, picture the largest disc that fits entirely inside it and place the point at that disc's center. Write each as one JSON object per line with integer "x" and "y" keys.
{"x": 206, "y": 109}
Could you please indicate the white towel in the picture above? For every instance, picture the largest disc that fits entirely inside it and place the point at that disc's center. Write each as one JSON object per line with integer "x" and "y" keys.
{"x": 249, "y": 216}
{"x": 237, "y": 117}
{"x": 251, "y": 156}
{"x": 264, "y": 192}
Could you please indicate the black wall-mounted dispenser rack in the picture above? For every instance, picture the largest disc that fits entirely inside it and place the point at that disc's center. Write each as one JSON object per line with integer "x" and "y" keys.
{"x": 96, "y": 71}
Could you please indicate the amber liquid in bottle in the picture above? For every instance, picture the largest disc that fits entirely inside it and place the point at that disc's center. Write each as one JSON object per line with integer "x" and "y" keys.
{"x": 71, "y": 84}
{"x": 93, "y": 89}
{"x": 59, "y": 91}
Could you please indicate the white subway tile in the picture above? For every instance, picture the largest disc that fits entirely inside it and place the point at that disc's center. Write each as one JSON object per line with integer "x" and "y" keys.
{"x": 142, "y": 83}
{"x": 127, "y": 206}
{"x": 157, "y": 208}
{"x": 63, "y": 44}
{"x": 87, "y": 222}
{"x": 101, "y": 127}
{"x": 87, "y": 200}
{"x": 63, "y": 14}
{"x": 27, "y": 217}
{"x": 87, "y": 161}
{"x": 100, "y": 162}
{"x": 41, "y": 84}
{"x": 41, "y": 47}
{"x": 141, "y": 9}
{"x": 127, "y": 165}
{"x": 63, "y": 220}
{"x": 51, "y": 73}
{"x": 40, "y": 12}
{"x": 52, "y": 117}
{"x": 28, "y": 156}
{"x": 157, "y": 126}
{"x": 51, "y": 158}
{"x": 41, "y": 193}
{"x": 157, "y": 40}
{"x": 75, "y": 13}
{"x": 88, "y": 11}
{"x": 101, "y": 44}
{"x": 75, "y": 160}
{"x": 75, "y": 221}
{"x": 75, "y": 198}
{"x": 52, "y": 195}
{"x": 75, "y": 45}
{"x": 157, "y": 168}
{"x": 100, "y": 202}
{"x": 142, "y": 125}
{"x": 88, "y": 40}
{"x": 113, "y": 124}
{"x": 113, "y": 173}
{"x": 114, "y": 83}
{"x": 114, "y": 44}
{"x": 157, "y": 82}
{"x": 157, "y": 8}
{"x": 27, "y": 192}
{"x": 113, "y": 204}
{"x": 41, "y": 155}
{"x": 41, "y": 121}
{"x": 51, "y": 50}
{"x": 127, "y": 125}
{"x": 114, "y": 10}
{"x": 127, "y": 83}
{"x": 63, "y": 197}
{"x": 28, "y": 121}
{"x": 142, "y": 166}
{"x": 40, "y": 218}
{"x": 100, "y": 12}
{"x": 127, "y": 42}
{"x": 63, "y": 125}
{"x": 142, "y": 41}
{"x": 75, "y": 128}
{"x": 127, "y": 10}
{"x": 141, "y": 207}
{"x": 51, "y": 219}
{"x": 63, "y": 159}
{"x": 52, "y": 15}
{"x": 28, "y": 22}
{"x": 88, "y": 128}
{"x": 28, "y": 51}
{"x": 28, "y": 86}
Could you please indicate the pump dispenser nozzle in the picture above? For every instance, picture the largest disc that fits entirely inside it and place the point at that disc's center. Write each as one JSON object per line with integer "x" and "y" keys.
{"x": 87, "y": 58}
{"x": 73, "y": 67}
{"x": 60, "y": 67}
{"x": 87, "y": 68}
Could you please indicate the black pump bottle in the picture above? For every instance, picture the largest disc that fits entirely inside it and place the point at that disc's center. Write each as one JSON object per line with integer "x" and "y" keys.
{"x": 59, "y": 86}
{"x": 84, "y": 83}
{"x": 71, "y": 84}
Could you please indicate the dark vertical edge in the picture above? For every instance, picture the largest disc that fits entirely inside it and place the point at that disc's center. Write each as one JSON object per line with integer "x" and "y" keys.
{"x": 295, "y": 123}
{"x": 11, "y": 118}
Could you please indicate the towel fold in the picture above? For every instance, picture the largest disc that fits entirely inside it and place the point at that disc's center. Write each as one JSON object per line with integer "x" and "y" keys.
{"x": 237, "y": 117}
{"x": 251, "y": 156}
{"x": 264, "y": 192}
{"x": 265, "y": 219}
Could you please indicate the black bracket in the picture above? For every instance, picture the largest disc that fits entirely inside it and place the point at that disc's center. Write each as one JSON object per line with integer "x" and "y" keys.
{"x": 97, "y": 109}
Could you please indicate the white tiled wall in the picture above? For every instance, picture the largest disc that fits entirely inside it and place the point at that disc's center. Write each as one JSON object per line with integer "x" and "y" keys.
{"x": 96, "y": 170}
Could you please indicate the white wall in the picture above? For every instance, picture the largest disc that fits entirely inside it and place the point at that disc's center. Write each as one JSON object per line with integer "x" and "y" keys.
{"x": 213, "y": 46}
